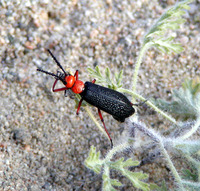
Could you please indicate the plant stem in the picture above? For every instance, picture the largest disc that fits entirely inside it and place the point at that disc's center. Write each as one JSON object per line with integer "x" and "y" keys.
{"x": 159, "y": 141}
{"x": 171, "y": 166}
{"x": 191, "y": 184}
{"x": 95, "y": 121}
{"x": 115, "y": 149}
{"x": 149, "y": 103}
{"x": 137, "y": 66}
{"x": 193, "y": 130}
{"x": 110, "y": 154}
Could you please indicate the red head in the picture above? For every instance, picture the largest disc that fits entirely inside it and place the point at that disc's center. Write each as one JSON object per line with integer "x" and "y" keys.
{"x": 70, "y": 82}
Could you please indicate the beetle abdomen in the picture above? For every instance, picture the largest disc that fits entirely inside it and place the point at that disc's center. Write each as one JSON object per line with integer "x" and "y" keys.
{"x": 108, "y": 100}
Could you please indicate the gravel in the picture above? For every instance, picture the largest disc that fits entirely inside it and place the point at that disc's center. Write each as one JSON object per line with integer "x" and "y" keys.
{"x": 43, "y": 144}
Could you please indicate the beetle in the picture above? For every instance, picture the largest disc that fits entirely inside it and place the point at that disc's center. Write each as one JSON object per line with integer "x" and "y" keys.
{"x": 105, "y": 99}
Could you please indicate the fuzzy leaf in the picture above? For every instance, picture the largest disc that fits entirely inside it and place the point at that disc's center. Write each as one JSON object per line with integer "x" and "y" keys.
{"x": 191, "y": 186}
{"x": 118, "y": 78}
{"x": 185, "y": 101}
{"x": 95, "y": 73}
{"x": 121, "y": 163}
{"x": 192, "y": 85}
{"x": 171, "y": 20}
{"x": 109, "y": 183}
{"x": 134, "y": 177}
{"x": 157, "y": 188}
{"x": 165, "y": 45}
{"x": 93, "y": 161}
{"x": 182, "y": 104}
{"x": 188, "y": 175}
{"x": 107, "y": 78}
{"x": 107, "y": 73}
{"x": 115, "y": 182}
{"x": 188, "y": 147}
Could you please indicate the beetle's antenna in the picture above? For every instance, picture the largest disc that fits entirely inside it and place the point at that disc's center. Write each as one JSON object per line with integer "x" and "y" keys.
{"x": 58, "y": 63}
{"x": 49, "y": 73}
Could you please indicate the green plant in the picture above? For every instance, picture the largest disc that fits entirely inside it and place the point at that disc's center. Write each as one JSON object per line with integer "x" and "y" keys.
{"x": 185, "y": 101}
{"x": 94, "y": 162}
{"x": 177, "y": 141}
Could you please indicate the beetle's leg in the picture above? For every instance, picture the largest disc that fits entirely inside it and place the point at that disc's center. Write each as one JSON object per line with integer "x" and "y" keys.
{"x": 79, "y": 106}
{"x": 99, "y": 112}
{"x": 76, "y": 74}
{"x": 93, "y": 81}
{"x": 59, "y": 89}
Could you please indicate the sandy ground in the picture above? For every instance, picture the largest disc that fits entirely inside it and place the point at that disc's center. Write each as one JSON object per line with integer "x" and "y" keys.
{"x": 43, "y": 144}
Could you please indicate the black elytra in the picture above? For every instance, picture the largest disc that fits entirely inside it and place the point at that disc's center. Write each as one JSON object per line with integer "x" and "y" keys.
{"x": 108, "y": 100}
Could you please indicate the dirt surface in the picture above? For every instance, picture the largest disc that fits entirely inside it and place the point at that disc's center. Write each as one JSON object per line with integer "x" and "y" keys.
{"x": 43, "y": 144}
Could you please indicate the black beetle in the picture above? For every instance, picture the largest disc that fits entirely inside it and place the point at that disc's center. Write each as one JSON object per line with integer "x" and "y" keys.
{"x": 108, "y": 100}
